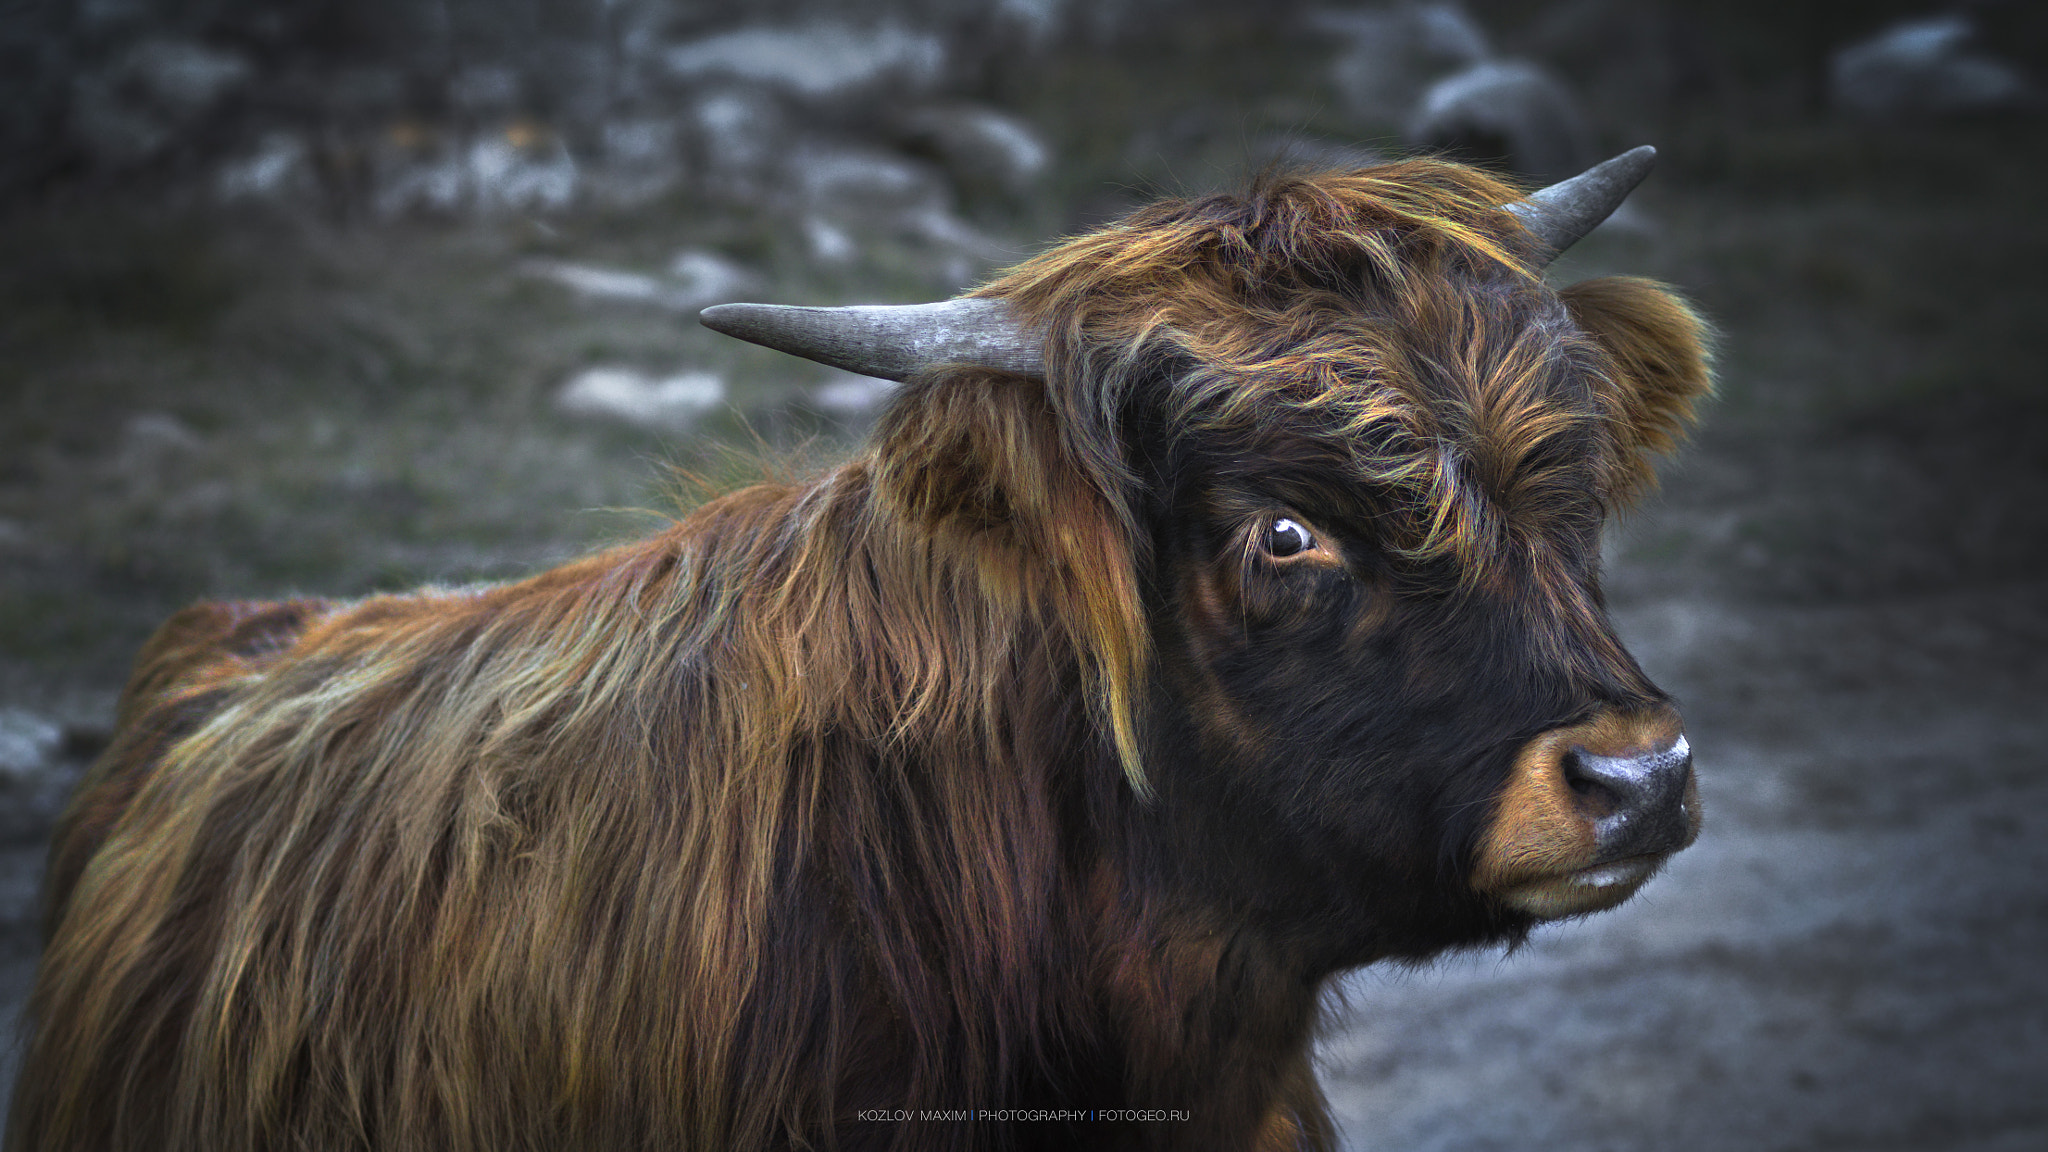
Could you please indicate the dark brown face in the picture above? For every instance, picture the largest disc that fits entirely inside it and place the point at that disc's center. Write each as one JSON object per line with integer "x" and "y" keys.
{"x": 1410, "y": 761}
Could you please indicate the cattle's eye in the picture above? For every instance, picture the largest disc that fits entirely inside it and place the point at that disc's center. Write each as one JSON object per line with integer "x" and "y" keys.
{"x": 1287, "y": 538}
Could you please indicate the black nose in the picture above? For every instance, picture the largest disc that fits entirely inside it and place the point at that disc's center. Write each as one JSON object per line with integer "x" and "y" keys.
{"x": 1644, "y": 800}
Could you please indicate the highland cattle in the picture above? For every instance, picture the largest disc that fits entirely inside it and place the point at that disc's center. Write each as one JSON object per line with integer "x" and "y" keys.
{"x": 1215, "y": 609}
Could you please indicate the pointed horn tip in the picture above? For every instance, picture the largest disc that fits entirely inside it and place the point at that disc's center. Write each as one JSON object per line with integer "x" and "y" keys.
{"x": 1621, "y": 173}
{"x": 1564, "y": 212}
{"x": 1640, "y": 154}
{"x": 726, "y": 317}
{"x": 1632, "y": 165}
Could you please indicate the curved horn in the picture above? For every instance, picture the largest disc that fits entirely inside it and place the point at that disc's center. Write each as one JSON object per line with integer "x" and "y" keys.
{"x": 894, "y": 342}
{"x": 1564, "y": 212}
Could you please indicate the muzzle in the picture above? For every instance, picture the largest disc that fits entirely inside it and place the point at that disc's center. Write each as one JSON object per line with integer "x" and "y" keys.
{"x": 1588, "y": 813}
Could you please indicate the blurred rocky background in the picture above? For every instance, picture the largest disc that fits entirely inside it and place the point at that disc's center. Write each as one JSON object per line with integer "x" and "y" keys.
{"x": 337, "y": 296}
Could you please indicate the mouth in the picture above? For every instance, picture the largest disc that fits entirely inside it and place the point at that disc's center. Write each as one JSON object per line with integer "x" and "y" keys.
{"x": 1591, "y": 889}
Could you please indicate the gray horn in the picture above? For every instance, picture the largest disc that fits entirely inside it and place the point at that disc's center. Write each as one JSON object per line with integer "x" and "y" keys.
{"x": 1563, "y": 213}
{"x": 894, "y": 342}
{"x": 898, "y": 341}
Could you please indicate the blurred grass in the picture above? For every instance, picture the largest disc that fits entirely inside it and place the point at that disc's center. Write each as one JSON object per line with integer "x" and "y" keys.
{"x": 192, "y": 407}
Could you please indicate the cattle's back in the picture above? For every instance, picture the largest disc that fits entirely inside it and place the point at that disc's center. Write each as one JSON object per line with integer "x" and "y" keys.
{"x": 179, "y": 680}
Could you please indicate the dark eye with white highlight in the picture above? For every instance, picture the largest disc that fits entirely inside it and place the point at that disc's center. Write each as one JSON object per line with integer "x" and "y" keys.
{"x": 1287, "y": 538}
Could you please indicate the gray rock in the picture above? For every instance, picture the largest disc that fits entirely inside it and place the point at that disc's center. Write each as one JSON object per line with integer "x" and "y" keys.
{"x": 843, "y": 178}
{"x": 153, "y": 444}
{"x": 641, "y": 159}
{"x": 628, "y": 395}
{"x": 28, "y": 746}
{"x": 34, "y": 775}
{"x": 696, "y": 278}
{"x": 850, "y": 395}
{"x": 1036, "y": 21}
{"x": 523, "y": 167}
{"x": 279, "y": 169}
{"x": 740, "y": 132}
{"x": 645, "y": 141}
{"x": 160, "y": 429}
{"x": 1925, "y": 67}
{"x": 826, "y": 59}
{"x": 935, "y": 225}
{"x": 842, "y": 183}
{"x": 136, "y": 107}
{"x": 980, "y": 147}
{"x": 1391, "y": 52}
{"x": 603, "y": 283}
{"x": 521, "y": 170}
{"x": 1509, "y": 109}
{"x": 829, "y": 243}
{"x": 700, "y": 278}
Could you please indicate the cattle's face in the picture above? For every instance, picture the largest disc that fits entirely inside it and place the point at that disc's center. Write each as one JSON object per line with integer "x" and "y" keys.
{"x": 1386, "y": 677}
{"x": 1313, "y": 480}
{"x": 1338, "y": 709}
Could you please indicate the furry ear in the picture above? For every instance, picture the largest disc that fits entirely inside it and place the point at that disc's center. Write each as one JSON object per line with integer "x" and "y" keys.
{"x": 972, "y": 453}
{"x": 1663, "y": 360}
{"x": 972, "y": 460}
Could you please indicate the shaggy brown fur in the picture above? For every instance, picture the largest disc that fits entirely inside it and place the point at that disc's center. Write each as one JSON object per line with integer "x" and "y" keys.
{"x": 835, "y": 796}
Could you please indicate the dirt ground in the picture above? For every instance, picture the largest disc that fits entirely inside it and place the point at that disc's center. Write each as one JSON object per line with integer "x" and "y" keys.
{"x": 1845, "y": 582}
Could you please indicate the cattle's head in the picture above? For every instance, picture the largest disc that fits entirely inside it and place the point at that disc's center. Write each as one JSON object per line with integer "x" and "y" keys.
{"x": 1328, "y": 464}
